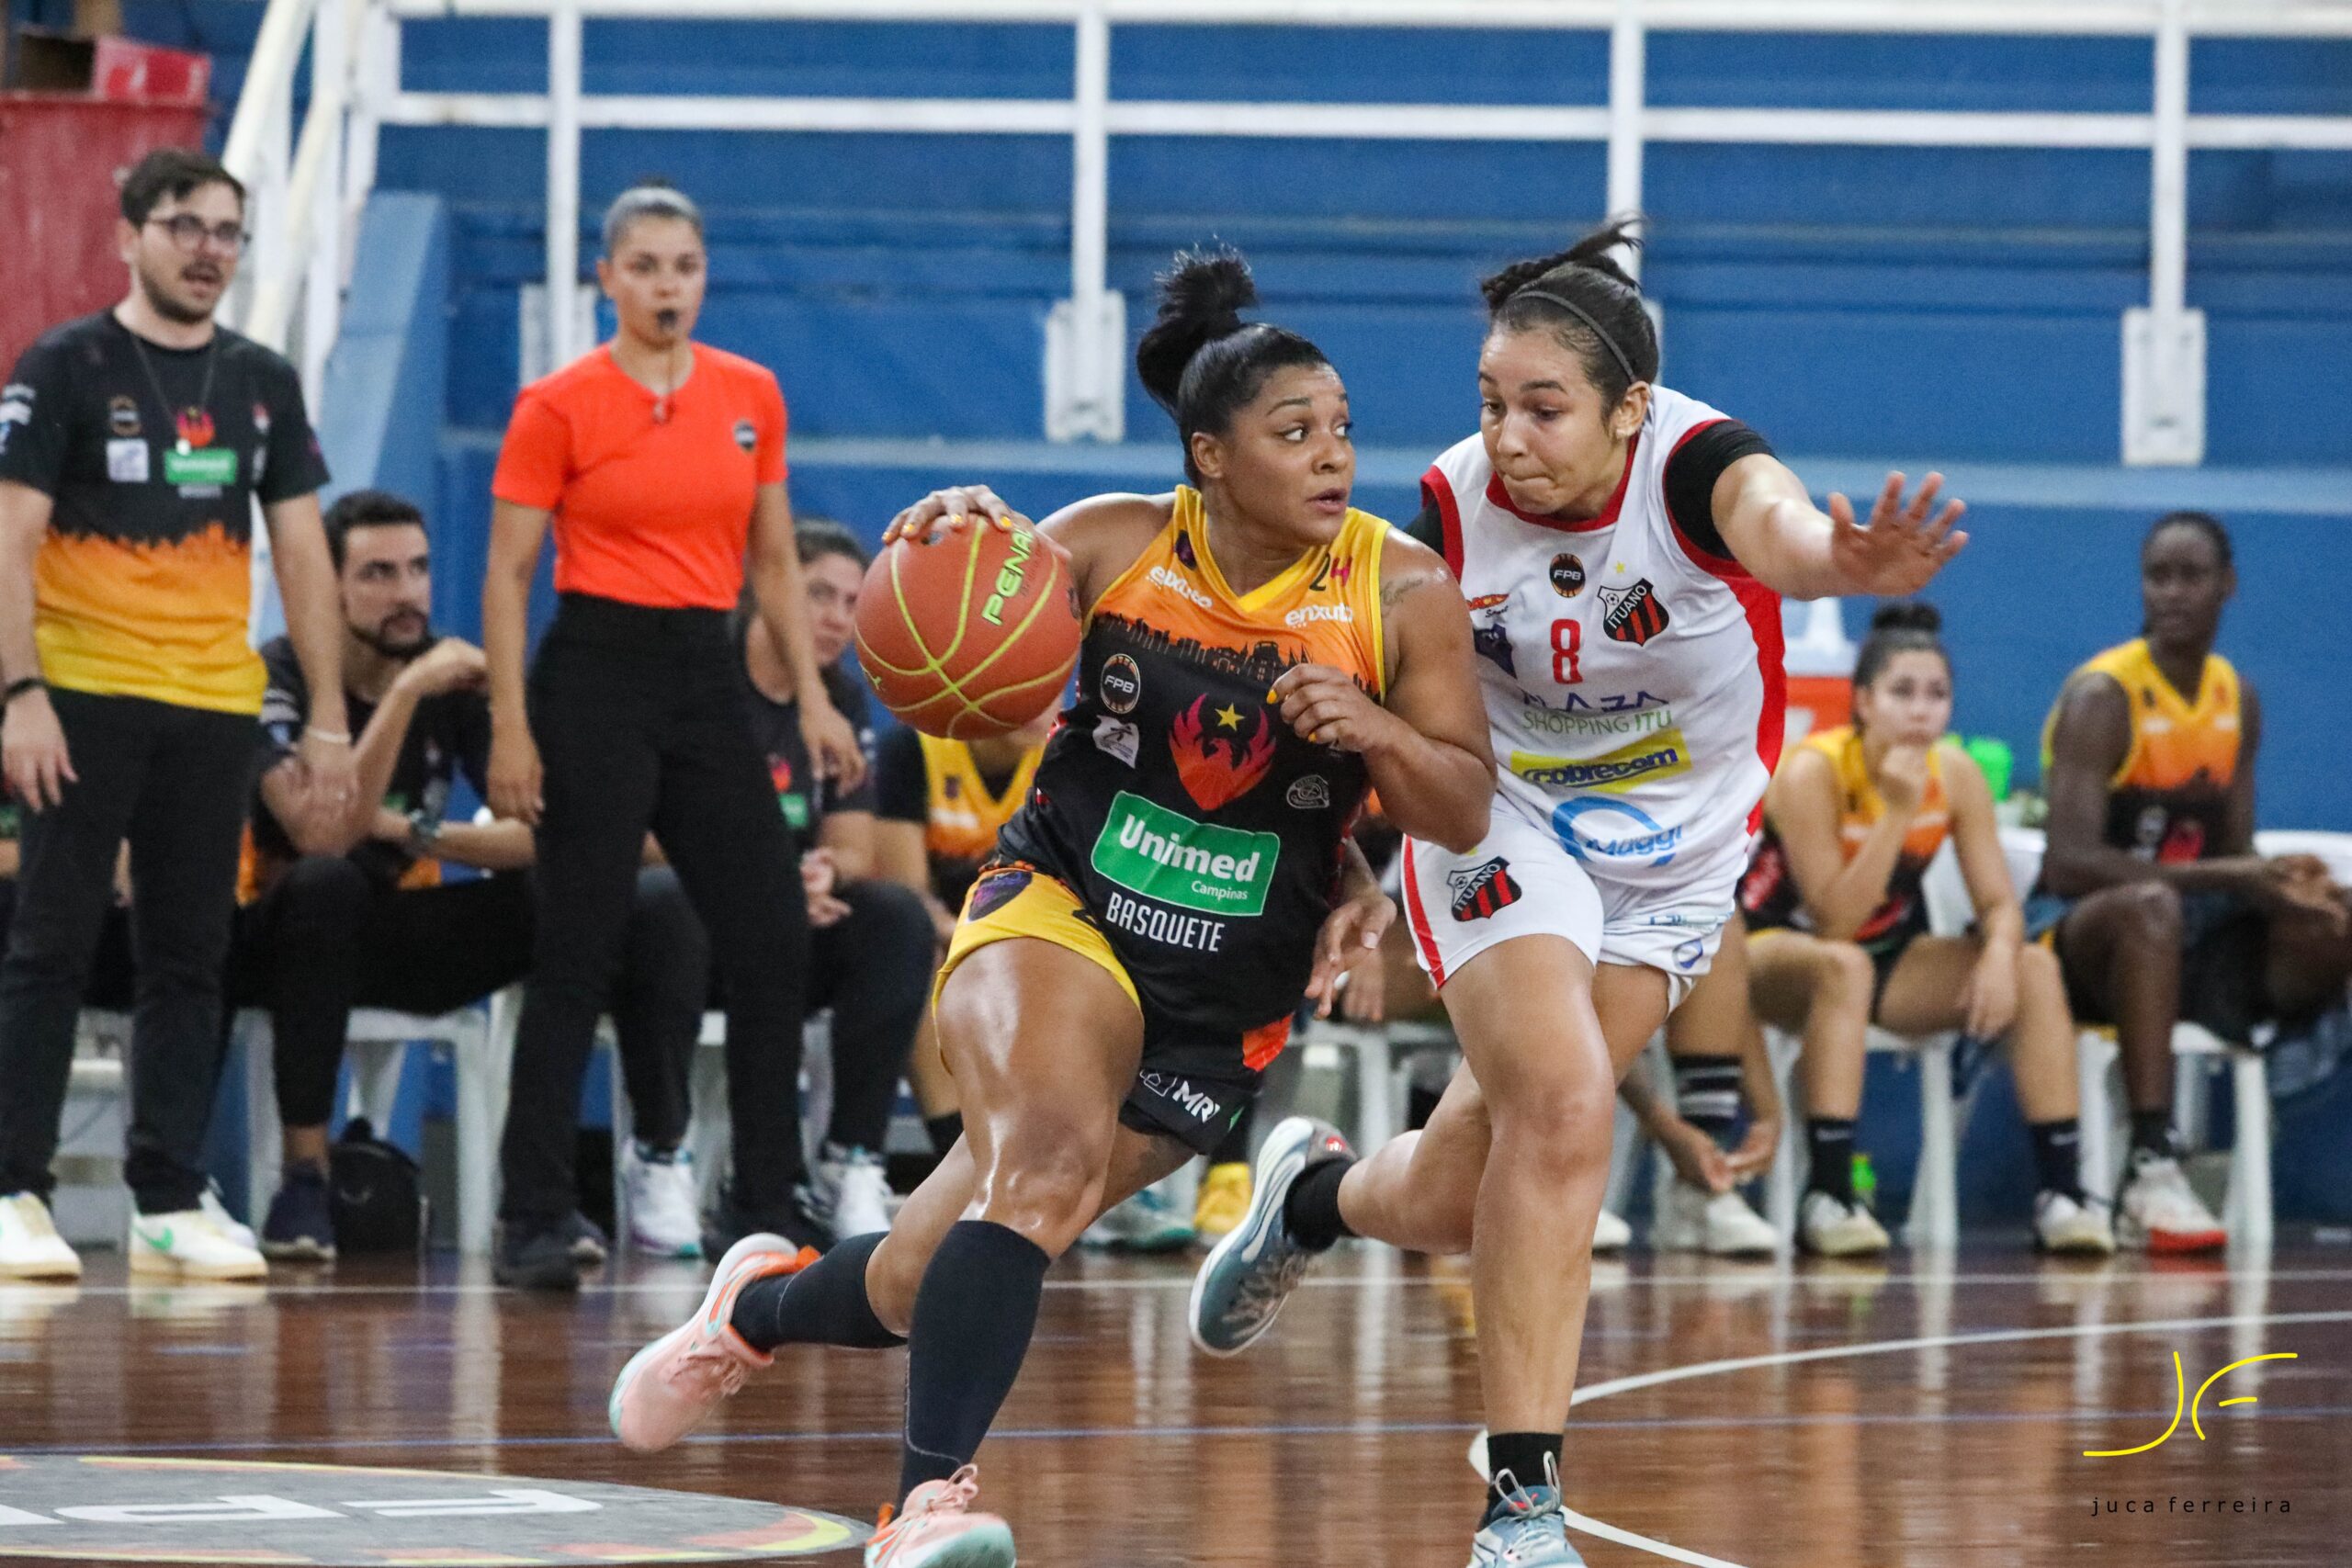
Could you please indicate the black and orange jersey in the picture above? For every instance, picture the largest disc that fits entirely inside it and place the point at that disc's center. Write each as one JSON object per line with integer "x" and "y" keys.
{"x": 1768, "y": 893}
{"x": 1203, "y": 833}
{"x": 2168, "y": 799}
{"x": 152, "y": 457}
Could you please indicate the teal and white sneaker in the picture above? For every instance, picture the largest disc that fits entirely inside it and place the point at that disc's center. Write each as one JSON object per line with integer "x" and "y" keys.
{"x": 1157, "y": 1218}
{"x": 1247, "y": 1276}
{"x": 1526, "y": 1529}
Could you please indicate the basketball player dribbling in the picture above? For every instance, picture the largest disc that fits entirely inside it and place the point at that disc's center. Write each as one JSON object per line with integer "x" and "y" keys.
{"x": 1257, "y": 655}
{"x": 1624, "y": 549}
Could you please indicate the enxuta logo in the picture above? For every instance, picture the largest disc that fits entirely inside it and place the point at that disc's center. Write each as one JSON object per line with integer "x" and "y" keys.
{"x": 2182, "y": 1402}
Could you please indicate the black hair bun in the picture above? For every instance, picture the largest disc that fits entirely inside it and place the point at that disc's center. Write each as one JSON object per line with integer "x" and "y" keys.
{"x": 1201, "y": 300}
{"x": 1907, "y": 616}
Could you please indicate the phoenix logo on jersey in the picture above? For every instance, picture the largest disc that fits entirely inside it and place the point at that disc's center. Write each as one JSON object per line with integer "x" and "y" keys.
{"x": 1633, "y": 615}
{"x": 1480, "y": 890}
{"x": 1215, "y": 767}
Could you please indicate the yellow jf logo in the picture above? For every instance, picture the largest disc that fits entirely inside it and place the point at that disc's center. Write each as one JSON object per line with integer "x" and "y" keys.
{"x": 2193, "y": 1407}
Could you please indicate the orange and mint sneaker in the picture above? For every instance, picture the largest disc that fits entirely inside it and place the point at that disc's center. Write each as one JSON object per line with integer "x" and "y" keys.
{"x": 671, "y": 1386}
{"x": 937, "y": 1528}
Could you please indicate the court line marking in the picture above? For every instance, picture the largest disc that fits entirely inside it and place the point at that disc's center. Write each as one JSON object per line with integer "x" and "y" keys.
{"x": 1639, "y": 1381}
{"x": 292, "y": 1288}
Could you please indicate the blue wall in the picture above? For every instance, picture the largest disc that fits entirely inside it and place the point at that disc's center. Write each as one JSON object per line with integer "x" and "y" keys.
{"x": 1959, "y": 307}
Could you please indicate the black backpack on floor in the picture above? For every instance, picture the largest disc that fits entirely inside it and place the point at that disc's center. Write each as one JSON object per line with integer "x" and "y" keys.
{"x": 374, "y": 1193}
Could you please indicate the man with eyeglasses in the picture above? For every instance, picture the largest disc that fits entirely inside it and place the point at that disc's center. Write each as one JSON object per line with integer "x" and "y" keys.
{"x": 133, "y": 445}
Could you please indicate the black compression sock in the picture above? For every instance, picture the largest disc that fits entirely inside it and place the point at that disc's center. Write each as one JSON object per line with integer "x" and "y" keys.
{"x": 1706, "y": 1091}
{"x": 1526, "y": 1459}
{"x": 942, "y": 1130}
{"x": 973, "y": 1318}
{"x": 2151, "y": 1131}
{"x": 2057, "y": 1155}
{"x": 1311, "y": 1212}
{"x": 825, "y": 1304}
{"x": 1831, "y": 1141}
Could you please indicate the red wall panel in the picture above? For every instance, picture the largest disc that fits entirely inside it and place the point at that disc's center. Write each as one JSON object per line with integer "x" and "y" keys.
{"x": 59, "y": 158}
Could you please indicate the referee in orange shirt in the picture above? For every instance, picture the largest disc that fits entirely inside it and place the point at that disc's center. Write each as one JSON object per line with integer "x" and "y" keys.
{"x": 657, "y": 461}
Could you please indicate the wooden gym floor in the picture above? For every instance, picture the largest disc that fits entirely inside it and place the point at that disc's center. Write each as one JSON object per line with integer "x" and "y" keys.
{"x": 1763, "y": 1417}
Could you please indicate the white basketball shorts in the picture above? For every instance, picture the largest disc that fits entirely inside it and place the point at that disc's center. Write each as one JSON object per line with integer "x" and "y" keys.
{"x": 1521, "y": 880}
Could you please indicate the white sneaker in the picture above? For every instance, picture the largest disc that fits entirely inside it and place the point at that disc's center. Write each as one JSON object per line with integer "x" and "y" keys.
{"x": 1721, "y": 1223}
{"x": 1611, "y": 1233}
{"x": 664, "y": 1202}
{"x": 237, "y": 1230}
{"x": 860, "y": 1186}
{"x": 30, "y": 1247}
{"x": 2064, "y": 1223}
{"x": 189, "y": 1244}
{"x": 1834, "y": 1229}
{"x": 2159, "y": 1212}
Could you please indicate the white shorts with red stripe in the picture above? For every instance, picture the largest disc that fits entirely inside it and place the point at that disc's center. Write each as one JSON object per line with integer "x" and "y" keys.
{"x": 1521, "y": 880}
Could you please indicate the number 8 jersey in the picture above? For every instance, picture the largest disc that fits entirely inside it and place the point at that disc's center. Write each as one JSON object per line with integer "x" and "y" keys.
{"x": 1631, "y": 671}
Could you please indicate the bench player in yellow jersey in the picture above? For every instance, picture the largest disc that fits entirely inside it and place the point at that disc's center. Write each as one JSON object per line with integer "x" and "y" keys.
{"x": 2151, "y": 890}
{"x": 1258, "y": 654}
{"x": 938, "y": 805}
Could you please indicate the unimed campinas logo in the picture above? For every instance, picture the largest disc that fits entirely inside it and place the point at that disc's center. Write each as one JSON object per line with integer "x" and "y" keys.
{"x": 1168, "y": 857}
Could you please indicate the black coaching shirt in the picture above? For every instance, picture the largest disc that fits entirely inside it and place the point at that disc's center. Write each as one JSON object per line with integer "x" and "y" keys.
{"x": 144, "y": 586}
{"x": 448, "y": 734}
{"x": 802, "y": 796}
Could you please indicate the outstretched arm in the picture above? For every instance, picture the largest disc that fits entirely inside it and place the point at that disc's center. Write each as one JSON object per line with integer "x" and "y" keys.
{"x": 1767, "y": 518}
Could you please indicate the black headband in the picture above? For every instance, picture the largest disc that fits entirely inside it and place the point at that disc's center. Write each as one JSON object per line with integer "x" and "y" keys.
{"x": 1580, "y": 313}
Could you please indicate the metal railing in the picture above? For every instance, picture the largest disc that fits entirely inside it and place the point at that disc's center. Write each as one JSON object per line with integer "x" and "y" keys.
{"x": 2163, "y": 342}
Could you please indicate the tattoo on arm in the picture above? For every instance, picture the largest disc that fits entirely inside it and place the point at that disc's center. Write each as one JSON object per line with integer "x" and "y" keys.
{"x": 1395, "y": 586}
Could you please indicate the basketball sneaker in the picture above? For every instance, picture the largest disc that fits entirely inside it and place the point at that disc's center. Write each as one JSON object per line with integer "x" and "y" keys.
{"x": 1719, "y": 1224}
{"x": 937, "y": 1528}
{"x": 848, "y": 1192}
{"x": 189, "y": 1244}
{"x": 671, "y": 1386}
{"x": 664, "y": 1201}
{"x": 1831, "y": 1227}
{"x": 1611, "y": 1232}
{"x": 1526, "y": 1529}
{"x": 1247, "y": 1276}
{"x": 1154, "y": 1220}
{"x": 1225, "y": 1199}
{"x": 30, "y": 1247}
{"x": 2068, "y": 1221}
{"x": 2159, "y": 1212}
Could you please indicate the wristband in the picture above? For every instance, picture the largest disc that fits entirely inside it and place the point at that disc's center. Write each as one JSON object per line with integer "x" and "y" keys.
{"x": 19, "y": 688}
{"x": 332, "y": 737}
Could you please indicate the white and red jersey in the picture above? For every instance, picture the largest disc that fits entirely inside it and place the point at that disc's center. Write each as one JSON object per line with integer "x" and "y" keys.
{"x": 1631, "y": 677}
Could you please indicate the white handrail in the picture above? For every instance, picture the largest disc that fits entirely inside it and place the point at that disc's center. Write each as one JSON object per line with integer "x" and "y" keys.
{"x": 2247, "y": 18}
{"x": 1091, "y": 115}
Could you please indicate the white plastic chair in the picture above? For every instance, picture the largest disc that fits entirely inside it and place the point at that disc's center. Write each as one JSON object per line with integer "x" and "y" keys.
{"x": 2246, "y": 1209}
{"x": 376, "y": 1041}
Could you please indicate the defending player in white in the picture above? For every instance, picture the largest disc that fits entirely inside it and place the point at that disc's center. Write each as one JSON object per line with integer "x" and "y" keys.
{"x": 1624, "y": 549}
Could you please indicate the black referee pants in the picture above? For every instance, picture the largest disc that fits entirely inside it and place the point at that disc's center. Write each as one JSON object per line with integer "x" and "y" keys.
{"x": 640, "y": 722}
{"x": 175, "y": 782}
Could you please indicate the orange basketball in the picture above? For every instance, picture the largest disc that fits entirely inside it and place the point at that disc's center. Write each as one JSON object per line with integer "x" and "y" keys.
{"x": 971, "y": 635}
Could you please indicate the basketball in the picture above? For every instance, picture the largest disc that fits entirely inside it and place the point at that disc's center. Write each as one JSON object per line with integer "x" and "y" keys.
{"x": 970, "y": 635}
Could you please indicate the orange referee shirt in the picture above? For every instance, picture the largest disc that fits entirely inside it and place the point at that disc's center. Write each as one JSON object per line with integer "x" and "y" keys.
{"x": 647, "y": 512}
